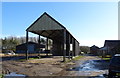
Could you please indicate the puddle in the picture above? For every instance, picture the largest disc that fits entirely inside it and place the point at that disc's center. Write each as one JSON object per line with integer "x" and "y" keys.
{"x": 86, "y": 66}
{"x": 14, "y": 75}
{"x": 89, "y": 68}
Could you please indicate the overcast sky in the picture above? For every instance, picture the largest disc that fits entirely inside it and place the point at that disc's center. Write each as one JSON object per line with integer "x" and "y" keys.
{"x": 91, "y": 23}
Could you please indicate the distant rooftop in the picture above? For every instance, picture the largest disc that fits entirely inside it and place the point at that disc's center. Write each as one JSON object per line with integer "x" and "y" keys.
{"x": 111, "y": 42}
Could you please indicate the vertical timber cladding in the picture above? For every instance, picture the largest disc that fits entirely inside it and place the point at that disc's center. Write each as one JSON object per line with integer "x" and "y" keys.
{"x": 67, "y": 43}
{"x": 73, "y": 47}
{"x": 57, "y": 48}
{"x": 77, "y": 48}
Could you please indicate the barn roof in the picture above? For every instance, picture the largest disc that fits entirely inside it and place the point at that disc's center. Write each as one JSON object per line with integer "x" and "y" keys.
{"x": 47, "y": 26}
{"x": 111, "y": 42}
{"x": 45, "y": 22}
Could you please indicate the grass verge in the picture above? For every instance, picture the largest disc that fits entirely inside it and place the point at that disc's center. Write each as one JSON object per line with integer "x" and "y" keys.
{"x": 104, "y": 58}
{"x": 78, "y": 57}
{"x": 1, "y": 75}
{"x": 29, "y": 59}
{"x": 75, "y": 59}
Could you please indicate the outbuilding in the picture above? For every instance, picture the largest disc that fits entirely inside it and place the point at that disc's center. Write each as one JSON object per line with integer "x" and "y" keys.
{"x": 94, "y": 50}
{"x": 64, "y": 44}
{"x": 111, "y": 47}
{"x": 32, "y": 47}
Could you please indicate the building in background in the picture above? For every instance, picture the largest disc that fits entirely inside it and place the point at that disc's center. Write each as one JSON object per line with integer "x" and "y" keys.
{"x": 94, "y": 50}
{"x": 32, "y": 47}
{"x": 111, "y": 47}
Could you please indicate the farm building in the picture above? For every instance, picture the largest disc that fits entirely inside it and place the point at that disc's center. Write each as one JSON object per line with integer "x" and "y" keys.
{"x": 94, "y": 50}
{"x": 32, "y": 47}
{"x": 111, "y": 47}
{"x": 64, "y": 44}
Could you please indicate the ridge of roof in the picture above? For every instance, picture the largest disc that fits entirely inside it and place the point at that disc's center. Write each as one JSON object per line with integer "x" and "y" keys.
{"x": 49, "y": 17}
{"x": 59, "y": 24}
{"x": 45, "y": 13}
{"x": 112, "y": 40}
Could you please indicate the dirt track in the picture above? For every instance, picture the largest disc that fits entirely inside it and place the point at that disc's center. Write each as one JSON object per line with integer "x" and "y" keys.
{"x": 54, "y": 67}
{"x": 34, "y": 67}
{"x": 88, "y": 66}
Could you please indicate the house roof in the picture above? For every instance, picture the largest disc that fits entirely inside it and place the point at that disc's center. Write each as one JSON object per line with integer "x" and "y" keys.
{"x": 41, "y": 45}
{"x": 94, "y": 46}
{"x": 47, "y": 26}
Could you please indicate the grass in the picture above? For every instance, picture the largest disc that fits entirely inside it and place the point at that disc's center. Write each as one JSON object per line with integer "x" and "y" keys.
{"x": 22, "y": 59}
{"x": 34, "y": 58}
{"x": 108, "y": 56}
{"x": 77, "y": 57}
{"x": 105, "y": 58}
{"x": 1, "y": 75}
{"x": 29, "y": 59}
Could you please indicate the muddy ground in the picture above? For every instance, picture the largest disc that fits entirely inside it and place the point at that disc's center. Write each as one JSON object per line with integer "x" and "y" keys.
{"x": 52, "y": 66}
{"x": 88, "y": 66}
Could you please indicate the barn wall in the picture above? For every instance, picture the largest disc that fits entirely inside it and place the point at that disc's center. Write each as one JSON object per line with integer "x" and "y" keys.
{"x": 77, "y": 48}
{"x": 67, "y": 44}
{"x": 57, "y": 49}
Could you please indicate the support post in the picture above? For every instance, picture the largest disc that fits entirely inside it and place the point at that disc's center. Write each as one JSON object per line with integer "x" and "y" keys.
{"x": 69, "y": 39}
{"x": 47, "y": 44}
{"x": 39, "y": 47}
{"x": 26, "y": 45}
{"x": 64, "y": 45}
{"x": 39, "y": 40}
{"x": 75, "y": 48}
{"x": 72, "y": 47}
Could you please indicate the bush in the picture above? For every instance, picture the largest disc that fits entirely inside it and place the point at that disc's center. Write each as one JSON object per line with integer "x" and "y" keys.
{"x": 85, "y": 49}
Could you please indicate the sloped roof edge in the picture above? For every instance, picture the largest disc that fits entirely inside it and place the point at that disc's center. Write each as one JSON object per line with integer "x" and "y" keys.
{"x": 107, "y": 41}
{"x": 41, "y": 17}
{"x": 53, "y": 20}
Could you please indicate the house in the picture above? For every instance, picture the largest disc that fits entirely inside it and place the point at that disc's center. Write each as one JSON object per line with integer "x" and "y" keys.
{"x": 111, "y": 47}
{"x": 32, "y": 47}
{"x": 94, "y": 50}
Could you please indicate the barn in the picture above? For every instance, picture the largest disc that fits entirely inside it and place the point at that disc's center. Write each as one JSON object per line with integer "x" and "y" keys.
{"x": 94, "y": 50}
{"x": 111, "y": 47}
{"x": 64, "y": 43}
